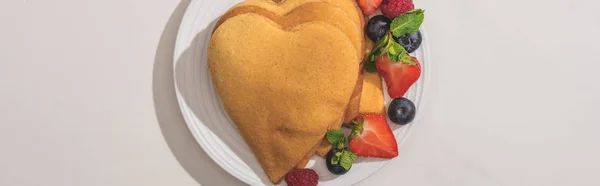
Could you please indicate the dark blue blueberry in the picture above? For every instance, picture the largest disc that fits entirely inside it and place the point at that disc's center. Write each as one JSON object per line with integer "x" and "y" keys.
{"x": 401, "y": 111}
{"x": 377, "y": 27}
{"x": 410, "y": 42}
{"x": 337, "y": 168}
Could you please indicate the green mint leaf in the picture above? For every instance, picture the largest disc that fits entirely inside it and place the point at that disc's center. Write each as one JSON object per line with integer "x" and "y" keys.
{"x": 397, "y": 53}
{"x": 336, "y": 138}
{"x": 347, "y": 159}
{"x": 370, "y": 65}
{"x": 336, "y": 159}
{"x": 407, "y": 23}
{"x": 381, "y": 43}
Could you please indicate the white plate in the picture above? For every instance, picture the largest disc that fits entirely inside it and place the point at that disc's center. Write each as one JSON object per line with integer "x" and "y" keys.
{"x": 211, "y": 126}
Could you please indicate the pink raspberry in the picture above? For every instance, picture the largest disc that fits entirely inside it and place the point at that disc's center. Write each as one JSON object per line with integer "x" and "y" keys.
{"x": 302, "y": 177}
{"x": 395, "y": 8}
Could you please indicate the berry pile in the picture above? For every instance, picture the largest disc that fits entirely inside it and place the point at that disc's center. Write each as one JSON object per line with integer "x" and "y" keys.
{"x": 395, "y": 40}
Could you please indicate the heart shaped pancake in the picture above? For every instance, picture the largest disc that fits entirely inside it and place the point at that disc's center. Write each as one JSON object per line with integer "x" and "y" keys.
{"x": 294, "y": 12}
{"x": 282, "y": 86}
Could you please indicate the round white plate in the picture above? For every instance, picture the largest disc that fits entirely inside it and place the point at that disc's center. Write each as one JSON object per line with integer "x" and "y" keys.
{"x": 213, "y": 129}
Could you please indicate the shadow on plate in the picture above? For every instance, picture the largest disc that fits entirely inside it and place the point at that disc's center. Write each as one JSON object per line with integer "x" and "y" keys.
{"x": 195, "y": 86}
{"x": 174, "y": 129}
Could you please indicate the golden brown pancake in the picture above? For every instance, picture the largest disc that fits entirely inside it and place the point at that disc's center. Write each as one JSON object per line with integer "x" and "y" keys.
{"x": 276, "y": 88}
{"x": 372, "y": 94}
{"x": 308, "y": 12}
{"x": 314, "y": 10}
{"x": 352, "y": 111}
{"x": 304, "y": 161}
{"x": 293, "y": 12}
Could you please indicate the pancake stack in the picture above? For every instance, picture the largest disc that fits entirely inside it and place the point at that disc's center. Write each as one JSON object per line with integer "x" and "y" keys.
{"x": 288, "y": 71}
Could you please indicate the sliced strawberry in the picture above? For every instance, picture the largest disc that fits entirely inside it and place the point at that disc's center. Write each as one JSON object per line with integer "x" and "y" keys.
{"x": 372, "y": 137}
{"x": 398, "y": 76}
{"x": 368, "y": 7}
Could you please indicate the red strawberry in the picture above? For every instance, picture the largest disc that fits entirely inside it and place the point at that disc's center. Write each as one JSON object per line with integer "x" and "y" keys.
{"x": 395, "y": 8}
{"x": 372, "y": 137}
{"x": 302, "y": 177}
{"x": 398, "y": 76}
{"x": 368, "y": 7}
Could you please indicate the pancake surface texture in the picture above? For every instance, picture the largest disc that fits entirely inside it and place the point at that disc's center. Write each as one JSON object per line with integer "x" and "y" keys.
{"x": 308, "y": 12}
{"x": 283, "y": 87}
{"x": 280, "y": 8}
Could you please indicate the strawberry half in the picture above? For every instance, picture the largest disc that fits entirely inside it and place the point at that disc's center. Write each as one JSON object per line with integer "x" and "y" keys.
{"x": 372, "y": 137}
{"x": 398, "y": 76}
{"x": 368, "y": 7}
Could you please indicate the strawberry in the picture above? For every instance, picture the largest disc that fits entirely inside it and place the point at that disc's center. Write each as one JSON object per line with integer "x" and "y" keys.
{"x": 398, "y": 76}
{"x": 368, "y": 7}
{"x": 394, "y": 64}
{"x": 372, "y": 137}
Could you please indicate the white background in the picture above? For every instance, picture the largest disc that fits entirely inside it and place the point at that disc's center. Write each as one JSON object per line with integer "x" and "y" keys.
{"x": 86, "y": 96}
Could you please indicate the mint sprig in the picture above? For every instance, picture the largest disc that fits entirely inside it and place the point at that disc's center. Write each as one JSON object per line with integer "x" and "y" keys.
{"x": 336, "y": 138}
{"x": 407, "y": 23}
{"x": 344, "y": 158}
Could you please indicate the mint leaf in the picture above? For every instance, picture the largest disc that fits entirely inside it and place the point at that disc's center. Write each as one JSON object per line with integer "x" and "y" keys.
{"x": 336, "y": 159}
{"x": 407, "y": 23}
{"x": 382, "y": 42}
{"x": 336, "y": 138}
{"x": 396, "y": 51}
{"x": 347, "y": 159}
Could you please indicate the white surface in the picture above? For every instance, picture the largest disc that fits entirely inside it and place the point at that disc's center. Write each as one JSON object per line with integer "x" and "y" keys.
{"x": 514, "y": 97}
{"x": 212, "y": 128}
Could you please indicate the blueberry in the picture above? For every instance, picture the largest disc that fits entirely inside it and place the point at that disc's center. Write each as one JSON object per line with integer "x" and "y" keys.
{"x": 402, "y": 111}
{"x": 337, "y": 168}
{"x": 410, "y": 42}
{"x": 377, "y": 27}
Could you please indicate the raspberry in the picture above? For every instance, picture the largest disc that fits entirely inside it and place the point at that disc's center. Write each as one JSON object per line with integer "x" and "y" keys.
{"x": 395, "y": 8}
{"x": 302, "y": 177}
